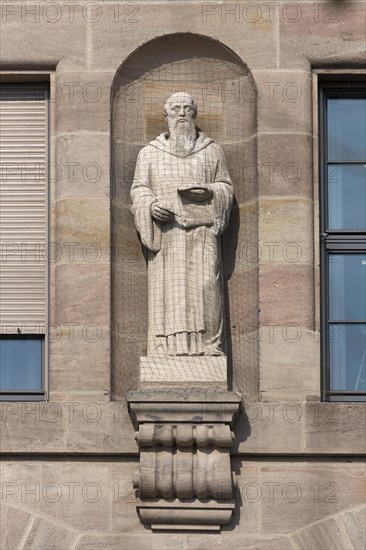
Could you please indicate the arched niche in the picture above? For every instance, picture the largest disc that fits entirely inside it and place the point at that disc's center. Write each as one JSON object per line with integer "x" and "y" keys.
{"x": 226, "y": 97}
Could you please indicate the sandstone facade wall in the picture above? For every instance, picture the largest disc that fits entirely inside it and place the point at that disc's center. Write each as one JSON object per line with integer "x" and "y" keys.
{"x": 298, "y": 460}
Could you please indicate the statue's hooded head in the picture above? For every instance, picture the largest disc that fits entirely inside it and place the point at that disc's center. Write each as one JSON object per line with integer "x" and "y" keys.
{"x": 181, "y": 111}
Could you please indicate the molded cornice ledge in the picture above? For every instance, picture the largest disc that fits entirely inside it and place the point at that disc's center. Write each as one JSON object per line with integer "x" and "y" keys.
{"x": 184, "y": 480}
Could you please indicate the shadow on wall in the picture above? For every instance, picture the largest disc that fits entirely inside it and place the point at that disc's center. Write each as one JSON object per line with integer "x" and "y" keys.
{"x": 226, "y": 97}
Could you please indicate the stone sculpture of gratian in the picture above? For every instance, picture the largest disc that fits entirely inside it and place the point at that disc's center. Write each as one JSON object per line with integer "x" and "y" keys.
{"x": 182, "y": 196}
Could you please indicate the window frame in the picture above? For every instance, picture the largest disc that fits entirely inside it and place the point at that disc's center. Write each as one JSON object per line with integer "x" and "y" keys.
{"x": 46, "y": 77}
{"x": 27, "y": 395}
{"x": 345, "y": 241}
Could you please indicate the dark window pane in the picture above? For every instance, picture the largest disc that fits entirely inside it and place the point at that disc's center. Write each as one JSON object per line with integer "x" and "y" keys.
{"x": 347, "y": 196}
{"x": 21, "y": 363}
{"x": 347, "y": 287}
{"x": 346, "y": 129}
{"x": 347, "y": 345}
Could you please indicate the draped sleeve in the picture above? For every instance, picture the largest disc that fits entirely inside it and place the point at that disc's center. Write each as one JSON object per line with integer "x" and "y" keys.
{"x": 142, "y": 199}
{"x": 223, "y": 193}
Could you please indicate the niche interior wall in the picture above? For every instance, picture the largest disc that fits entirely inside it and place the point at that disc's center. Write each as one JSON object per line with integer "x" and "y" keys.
{"x": 226, "y": 96}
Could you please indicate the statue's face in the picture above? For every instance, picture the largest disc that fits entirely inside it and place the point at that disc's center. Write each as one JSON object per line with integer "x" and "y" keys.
{"x": 180, "y": 111}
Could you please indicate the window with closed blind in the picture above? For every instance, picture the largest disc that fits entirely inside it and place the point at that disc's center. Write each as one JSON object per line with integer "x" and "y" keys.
{"x": 23, "y": 238}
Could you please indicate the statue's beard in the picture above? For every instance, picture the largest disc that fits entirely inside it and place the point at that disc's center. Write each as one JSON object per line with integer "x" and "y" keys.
{"x": 182, "y": 138}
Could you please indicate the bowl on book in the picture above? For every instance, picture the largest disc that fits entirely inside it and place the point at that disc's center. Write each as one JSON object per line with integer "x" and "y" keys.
{"x": 196, "y": 193}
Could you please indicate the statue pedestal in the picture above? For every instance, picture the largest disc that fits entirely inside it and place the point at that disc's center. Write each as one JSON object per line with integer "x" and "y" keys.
{"x": 184, "y": 480}
{"x": 183, "y": 369}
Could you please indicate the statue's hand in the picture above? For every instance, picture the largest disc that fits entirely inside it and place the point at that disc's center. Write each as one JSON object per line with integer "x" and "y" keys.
{"x": 161, "y": 212}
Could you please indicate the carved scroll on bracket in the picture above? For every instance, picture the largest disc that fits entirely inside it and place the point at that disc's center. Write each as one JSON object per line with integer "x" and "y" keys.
{"x": 184, "y": 480}
{"x": 184, "y": 461}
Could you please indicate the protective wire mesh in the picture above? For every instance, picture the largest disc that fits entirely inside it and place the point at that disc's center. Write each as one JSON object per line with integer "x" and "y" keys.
{"x": 202, "y": 287}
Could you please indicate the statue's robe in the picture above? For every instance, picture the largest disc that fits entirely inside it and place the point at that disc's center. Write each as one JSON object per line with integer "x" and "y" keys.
{"x": 184, "y": 255}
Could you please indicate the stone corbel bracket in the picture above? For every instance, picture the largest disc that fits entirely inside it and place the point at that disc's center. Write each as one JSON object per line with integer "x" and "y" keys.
{"x": 184, "y": 480}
